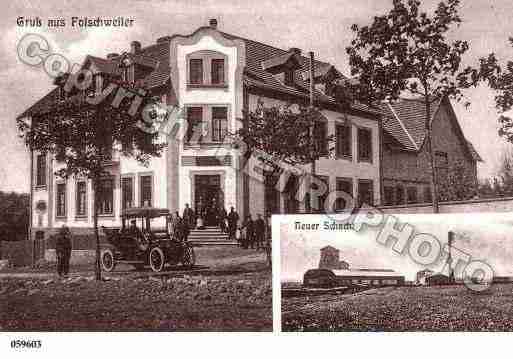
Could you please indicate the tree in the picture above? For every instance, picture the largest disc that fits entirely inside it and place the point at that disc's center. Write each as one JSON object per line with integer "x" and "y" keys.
{"x": 14, "y": 216}
{"x": 407, "y": 51}
{"x": 459, "y": 184}
{"x": 80, "y": 133}
{"x": 283, "y": 135}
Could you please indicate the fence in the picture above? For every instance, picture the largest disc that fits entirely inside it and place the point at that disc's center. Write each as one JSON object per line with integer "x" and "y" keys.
{"x": 22, "y": 253}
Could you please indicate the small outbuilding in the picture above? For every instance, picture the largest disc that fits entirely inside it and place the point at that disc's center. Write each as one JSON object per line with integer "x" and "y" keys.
{"x": 438, "y": 279}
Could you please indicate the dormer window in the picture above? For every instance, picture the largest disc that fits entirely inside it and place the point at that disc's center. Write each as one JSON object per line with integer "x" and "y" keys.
{"x": 288, "y": 79}
{"x": 283, "y": 66}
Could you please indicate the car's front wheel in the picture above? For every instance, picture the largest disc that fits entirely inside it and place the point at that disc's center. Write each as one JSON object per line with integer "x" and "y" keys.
{"x": 108, "y": 261}
{"x": 157, "y": 259}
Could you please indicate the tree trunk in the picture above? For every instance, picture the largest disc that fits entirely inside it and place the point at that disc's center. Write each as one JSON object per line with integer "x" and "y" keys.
{"x": 431, "y": 154}
{"x": 312, "y": 133}
{"x": 97, "y": 268}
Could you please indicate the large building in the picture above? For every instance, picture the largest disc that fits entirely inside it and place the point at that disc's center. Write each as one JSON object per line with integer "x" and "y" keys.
{"x": 215, "y": 77}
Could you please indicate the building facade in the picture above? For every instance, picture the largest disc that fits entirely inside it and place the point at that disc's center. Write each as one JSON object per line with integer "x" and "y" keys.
{"x": 406, "y": 167}
{"x": 214, "y": 77}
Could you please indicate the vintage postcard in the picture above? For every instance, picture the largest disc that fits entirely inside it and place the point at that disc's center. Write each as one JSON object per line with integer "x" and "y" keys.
{"x": 396, "y": 273}
{"x": 147, "y": 147}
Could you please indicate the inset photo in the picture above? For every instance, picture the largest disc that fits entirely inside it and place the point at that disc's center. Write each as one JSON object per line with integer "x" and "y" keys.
{"x": 397, "y": 273}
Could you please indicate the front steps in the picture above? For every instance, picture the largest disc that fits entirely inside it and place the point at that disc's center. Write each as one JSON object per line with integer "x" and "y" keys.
{"x": 210, "y": 236}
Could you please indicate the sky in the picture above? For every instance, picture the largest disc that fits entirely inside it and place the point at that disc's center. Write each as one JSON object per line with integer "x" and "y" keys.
{"x": 483, "y": 236}
{"x": 323, "y": 28}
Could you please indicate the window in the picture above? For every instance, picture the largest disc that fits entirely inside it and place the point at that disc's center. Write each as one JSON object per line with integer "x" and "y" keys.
{"x": 441, "y": 163}
{"x": 389, "y": 195}
{"x": 365, "y": 192}
{"x": 288, "y": 78}
{"x": 427, "y": 194}
{"x": 364, "y": 145}
{"x": 81, "y": 200}
{"x": 219, "y": 123}
{"x": 344, "y": 185}
{"x": 196, "y": 71}
{"x": 217, "y": 72}
{"x": 412, "y": 194}
{"x": 127, "y": 192}
{"x": 320, "y": 134}
{"x": 106, "y": 196}
{"x": 61, "y": 200}
{"x": 194, "y": 123}
{"x": 399, "y": 197}
{"x": 41, "y": 170}
{"x": 343, "y": 135}
{"x": 146, "y": 183}
{"x": 441, "y": 159}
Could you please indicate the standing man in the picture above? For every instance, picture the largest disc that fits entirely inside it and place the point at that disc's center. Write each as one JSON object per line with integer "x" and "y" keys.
{"x": 259, "y": 231}
{"x": 233, "y": 218}
{"x": 63, "y": 250}
{"x": 222, "y": 218}
{"x": 188, "y": 216}
{"x": 249, "y": 232}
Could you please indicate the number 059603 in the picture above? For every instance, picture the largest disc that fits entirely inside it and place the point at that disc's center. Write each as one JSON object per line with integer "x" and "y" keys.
{"x": 25, "y": 344}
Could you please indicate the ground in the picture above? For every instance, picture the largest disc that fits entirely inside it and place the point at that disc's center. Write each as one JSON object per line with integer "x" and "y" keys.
{"x": 448, "y": 308}
{"x": 229, "y": 290}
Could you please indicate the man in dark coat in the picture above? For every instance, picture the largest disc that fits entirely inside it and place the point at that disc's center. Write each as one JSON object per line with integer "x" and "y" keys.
{"x": 259, "y": 229}
{"x": 249, "y": 232}
{"x": 222, "y": 214}
{"x": 233, "y": 218}
{"x": 189, "y": 217}
{"x": 63, "y": 250}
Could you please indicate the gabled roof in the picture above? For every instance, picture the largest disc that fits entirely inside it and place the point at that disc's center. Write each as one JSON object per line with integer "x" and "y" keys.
{"x": 279, "y": 61}
{"x": 154, "y": 57}
{"x": 104, "y": 66}
{"x": 473, "y": 152}
{"x": 405, "y": 121}
{"x": 256, "y": 76}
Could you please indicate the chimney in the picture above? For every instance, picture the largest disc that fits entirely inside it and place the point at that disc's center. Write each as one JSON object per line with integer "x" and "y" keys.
{"x": 135, "y": 47}
{"x": 162, "y": 39}
{"x": 112, "y": 55}
{"x": 213, "y": 23}
{"x": 295, "y": 50}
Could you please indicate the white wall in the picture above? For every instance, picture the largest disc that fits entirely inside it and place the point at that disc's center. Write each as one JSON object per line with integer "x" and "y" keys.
{"x": 208, "y": 96}
{"x": 341, "y": 167}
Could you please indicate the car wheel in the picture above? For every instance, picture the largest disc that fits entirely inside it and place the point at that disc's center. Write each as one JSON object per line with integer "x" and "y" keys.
{"x": 108, "y": 261}
{"x": 189, "y": 257}
{"x": 157, "y": 259}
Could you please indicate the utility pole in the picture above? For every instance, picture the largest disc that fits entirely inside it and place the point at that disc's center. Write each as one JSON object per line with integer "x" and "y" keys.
{"x": 449, "y": 259}
{"x": 312, "y": 129}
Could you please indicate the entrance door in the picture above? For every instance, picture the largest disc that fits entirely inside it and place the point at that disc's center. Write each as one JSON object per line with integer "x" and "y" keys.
{"x": 208, "y": 197}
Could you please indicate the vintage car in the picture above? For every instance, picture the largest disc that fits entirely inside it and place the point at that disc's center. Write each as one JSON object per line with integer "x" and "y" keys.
{"x": 140, "y": 245}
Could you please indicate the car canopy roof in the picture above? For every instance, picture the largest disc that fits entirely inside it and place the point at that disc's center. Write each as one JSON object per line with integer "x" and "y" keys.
{"x": 149, "y": 212}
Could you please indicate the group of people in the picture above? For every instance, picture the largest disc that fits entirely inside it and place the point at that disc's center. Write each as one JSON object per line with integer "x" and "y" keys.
{"x": 180, "y": 227}
{"x": 253, "y": 232}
